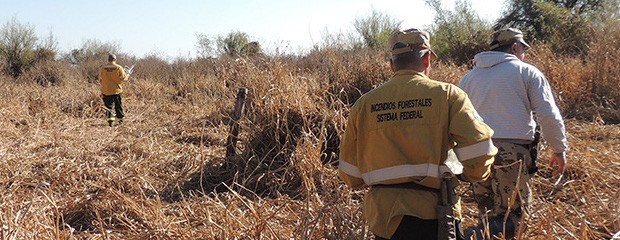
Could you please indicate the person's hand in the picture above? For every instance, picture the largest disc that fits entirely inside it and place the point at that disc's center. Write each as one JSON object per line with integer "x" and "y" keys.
{"x": 560, "y": 160}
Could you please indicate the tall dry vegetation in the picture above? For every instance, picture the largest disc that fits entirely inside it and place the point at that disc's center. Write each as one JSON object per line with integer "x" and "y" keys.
{"x": 586, "y": 87}
{"x": 163, "y": 174}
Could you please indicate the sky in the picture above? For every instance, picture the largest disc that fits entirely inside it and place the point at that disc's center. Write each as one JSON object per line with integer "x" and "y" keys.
{"x": 169, "y": 28}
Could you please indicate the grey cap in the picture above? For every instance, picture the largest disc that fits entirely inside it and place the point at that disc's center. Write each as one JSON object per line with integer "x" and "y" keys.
{"x": 111, "y": 57}
{"x": 507, "y": 36}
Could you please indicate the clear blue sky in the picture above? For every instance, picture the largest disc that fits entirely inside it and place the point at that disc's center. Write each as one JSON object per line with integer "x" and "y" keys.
{"x": 169, "y": 28}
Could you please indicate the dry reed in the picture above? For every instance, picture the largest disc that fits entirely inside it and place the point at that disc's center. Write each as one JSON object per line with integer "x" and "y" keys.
{"x": 163, "y": 173}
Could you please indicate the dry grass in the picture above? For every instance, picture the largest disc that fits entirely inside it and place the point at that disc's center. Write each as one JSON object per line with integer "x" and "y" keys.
{"x": 163, "y": 174}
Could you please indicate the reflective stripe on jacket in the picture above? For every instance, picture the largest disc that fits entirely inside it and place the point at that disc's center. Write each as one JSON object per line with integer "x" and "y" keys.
{"x": 401, "y": 132}
{"x": 111, "y": 78}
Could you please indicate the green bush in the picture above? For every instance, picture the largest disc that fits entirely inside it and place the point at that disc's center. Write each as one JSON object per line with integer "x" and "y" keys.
{"x": 20, "y": 49}
{"x": 204, "y": 46}
{"x": 567, "y": 25}
{"x": 458, "y": 36}
{"x": 237, "y": 44}
{"x": 376, "y": 29}
{"x": 90, "y": 56}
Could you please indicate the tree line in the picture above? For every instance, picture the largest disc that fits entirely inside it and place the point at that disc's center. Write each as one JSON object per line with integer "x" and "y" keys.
{"x": 457, "y": 35}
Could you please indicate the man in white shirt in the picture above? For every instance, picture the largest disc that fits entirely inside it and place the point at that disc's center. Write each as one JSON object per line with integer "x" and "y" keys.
{"x": 512, "y": 96}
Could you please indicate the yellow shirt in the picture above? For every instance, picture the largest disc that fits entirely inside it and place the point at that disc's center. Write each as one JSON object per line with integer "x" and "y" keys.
{"x": 401, "y": 132}
{"x": 111, "y": 78}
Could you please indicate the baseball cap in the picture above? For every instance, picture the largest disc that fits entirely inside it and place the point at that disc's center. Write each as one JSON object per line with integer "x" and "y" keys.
{"x": 507, "y": 36}
{"x": 411, "y": 40}
{"x": 111, "y": 57}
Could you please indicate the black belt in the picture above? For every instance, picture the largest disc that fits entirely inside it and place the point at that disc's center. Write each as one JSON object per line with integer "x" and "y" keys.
{"x": 408, "y": 185}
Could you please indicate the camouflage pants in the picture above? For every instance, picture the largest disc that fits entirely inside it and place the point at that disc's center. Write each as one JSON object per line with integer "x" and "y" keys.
{"x": 508, "y": 187}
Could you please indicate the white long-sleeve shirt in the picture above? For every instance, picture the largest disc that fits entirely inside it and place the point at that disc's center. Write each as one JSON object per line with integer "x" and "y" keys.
{"x": 506, "y": 92}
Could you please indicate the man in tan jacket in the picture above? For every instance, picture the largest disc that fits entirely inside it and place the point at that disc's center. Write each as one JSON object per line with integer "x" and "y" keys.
{"x": 111, "y": 78}
{"x": 398, "y": 137}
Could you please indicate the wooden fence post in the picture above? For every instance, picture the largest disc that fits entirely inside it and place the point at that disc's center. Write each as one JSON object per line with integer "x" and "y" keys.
{"x": 231, "y": 142}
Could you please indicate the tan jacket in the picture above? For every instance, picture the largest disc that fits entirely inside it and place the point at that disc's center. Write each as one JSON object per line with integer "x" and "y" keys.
{"x": 401, "y": 132}
{"x": 111, "y": 78}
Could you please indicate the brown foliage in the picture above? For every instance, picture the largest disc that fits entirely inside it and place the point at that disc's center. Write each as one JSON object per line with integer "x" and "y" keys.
{"x": 163, "y": 173}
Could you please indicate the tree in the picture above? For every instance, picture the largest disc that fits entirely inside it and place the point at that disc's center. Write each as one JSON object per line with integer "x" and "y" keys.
{"x": 566, "y": 24}
{"x": 91, "y": 55}
{"x": 252, "y": 49}
{"x": 17, "y": 47}
{"x": 338, "y": 40}
{"x": 526, "y": 14}
{"x": 21, "y": 49}
{"x": 459, "y": 35}
{"x": 237, "y": 44}
{"x": 204, "y": 46}
{"x": 376, "y": 28}
{"x": 92, "y": 50}
{"x": 47, "y": 50}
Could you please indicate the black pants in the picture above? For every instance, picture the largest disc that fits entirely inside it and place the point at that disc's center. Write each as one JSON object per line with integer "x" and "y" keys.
{"x": 414, "y": 228}
{"x": 114, "y": 101}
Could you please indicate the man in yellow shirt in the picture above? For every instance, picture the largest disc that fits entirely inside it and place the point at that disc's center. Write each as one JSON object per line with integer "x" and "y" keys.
{"x": 111, "y": 78}
{"x": 399, "y": 136}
